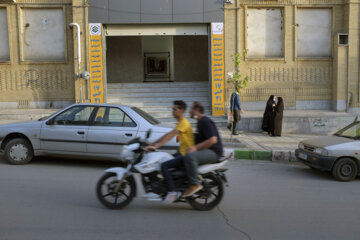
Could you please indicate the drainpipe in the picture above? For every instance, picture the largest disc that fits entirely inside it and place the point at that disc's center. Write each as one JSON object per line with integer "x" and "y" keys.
{"x": 78, "y": 42}
{"x": 79, "y": 53}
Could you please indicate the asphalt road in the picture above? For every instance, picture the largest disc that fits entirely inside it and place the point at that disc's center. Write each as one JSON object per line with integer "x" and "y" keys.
{"x": 55, "y": 199}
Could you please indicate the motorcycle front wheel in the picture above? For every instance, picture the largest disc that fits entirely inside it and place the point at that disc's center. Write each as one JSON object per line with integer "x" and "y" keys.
{"x": 210, "y": 196}
{"x": 106, "y": 191}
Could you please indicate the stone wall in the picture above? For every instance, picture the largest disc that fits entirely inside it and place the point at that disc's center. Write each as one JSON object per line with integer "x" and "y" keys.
{"x": 37, "y": 82}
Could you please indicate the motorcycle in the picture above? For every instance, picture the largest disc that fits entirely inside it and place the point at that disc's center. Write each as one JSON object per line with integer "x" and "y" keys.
{"x": 117, "y": 187}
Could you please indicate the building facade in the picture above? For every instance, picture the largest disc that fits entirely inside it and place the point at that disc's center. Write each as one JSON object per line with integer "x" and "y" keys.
{"x": 306, "y": 51}
{"x": 38, "y": 53}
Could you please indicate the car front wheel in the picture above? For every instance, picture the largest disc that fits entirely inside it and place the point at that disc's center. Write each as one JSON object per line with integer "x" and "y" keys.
{"x": 346, "y": 169}
{"x": 18, "y": 151}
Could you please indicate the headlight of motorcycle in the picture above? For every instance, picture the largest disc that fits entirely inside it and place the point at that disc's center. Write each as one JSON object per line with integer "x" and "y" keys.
{"x": 301, "y": 146}
{"x": 321, "y": 151}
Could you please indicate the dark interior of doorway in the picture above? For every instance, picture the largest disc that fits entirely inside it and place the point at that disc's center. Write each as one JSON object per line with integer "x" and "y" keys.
{"x": 125, "y": 59}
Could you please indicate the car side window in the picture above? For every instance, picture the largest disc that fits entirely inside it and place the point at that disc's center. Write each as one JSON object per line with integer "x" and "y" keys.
{"x": 78, "y": 115}
{"x": 128, "y": 122}
{"x": 112, "y": 117}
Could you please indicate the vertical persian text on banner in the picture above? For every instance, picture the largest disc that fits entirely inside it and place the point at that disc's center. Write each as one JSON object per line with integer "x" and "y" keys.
{"x": 217, "y": 69}
{"x": 96, "y": 64}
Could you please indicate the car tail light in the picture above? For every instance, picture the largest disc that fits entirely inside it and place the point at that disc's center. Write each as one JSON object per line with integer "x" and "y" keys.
{"x": 177, "y": 139}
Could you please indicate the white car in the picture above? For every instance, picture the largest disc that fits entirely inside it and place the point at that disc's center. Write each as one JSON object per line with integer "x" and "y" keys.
{"x": 90, "y": 131}
{"x": 339, "y": 153}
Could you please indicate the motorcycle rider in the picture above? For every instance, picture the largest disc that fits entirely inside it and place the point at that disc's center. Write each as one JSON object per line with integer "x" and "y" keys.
{"x": 184, "y": 131}
{"x": 208, "y": 148}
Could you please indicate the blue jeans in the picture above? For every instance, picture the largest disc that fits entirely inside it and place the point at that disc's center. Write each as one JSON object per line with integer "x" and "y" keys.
{"x": 177, "y": 162}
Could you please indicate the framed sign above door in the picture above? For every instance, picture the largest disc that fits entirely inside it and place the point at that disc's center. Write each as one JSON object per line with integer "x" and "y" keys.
{"x": 157, "y": 67}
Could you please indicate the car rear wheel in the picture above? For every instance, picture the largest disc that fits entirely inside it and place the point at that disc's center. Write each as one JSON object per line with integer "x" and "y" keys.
{"x": 345, "y": 169}
{"x": 18, "y": 151}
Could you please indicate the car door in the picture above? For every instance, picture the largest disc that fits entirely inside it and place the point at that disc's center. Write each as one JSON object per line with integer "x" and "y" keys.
{"x": 110, "y": 130}
{"x": 66, "y": 133}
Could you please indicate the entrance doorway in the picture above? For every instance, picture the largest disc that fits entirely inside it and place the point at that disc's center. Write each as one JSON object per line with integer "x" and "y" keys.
{"x": 136, "y": 59}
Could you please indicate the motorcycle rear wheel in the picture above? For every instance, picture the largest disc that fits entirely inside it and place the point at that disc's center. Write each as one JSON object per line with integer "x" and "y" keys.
{"x": 210, "y": 196}
{"x": 105, "y": 191}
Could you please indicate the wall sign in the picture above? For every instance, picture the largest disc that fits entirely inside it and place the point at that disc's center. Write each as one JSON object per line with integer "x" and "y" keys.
{"x": 217, "y": 69}
{"x": 96, "y": 64}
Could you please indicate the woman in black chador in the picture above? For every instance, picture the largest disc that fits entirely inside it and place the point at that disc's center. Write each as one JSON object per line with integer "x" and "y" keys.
{"x": 269, "y": 115}
{"x": 279, "y": 109}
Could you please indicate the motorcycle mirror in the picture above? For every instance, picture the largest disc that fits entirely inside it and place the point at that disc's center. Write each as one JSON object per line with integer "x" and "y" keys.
{"x": 148, "y": 133}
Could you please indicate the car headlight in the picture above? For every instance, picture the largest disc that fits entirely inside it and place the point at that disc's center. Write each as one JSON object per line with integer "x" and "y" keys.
{"x": 321, "y": 151}
{"x": 301, "y": 146}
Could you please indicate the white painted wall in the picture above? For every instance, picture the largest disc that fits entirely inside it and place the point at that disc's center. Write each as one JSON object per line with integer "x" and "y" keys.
{"x": 264, "y": 33}
{"x": 44, "y": 39}
{"x": 4, "y": 37}
{"x": 314, "y": 33}
{"x": 159, "y": 44}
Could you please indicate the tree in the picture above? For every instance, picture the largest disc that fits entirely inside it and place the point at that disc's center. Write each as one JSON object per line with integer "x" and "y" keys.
{"x": 236, "y": 77}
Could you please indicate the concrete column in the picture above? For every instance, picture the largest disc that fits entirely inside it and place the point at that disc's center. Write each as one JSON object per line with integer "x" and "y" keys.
{"x": 340, "y": 76}
{"x": 79, "y": 16}
{"x": 353, "y": 24}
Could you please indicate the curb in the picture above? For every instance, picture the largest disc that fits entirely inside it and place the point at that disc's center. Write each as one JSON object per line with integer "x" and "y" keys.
{"x": 276, "y": 155}
{"x": 253, "y": 154}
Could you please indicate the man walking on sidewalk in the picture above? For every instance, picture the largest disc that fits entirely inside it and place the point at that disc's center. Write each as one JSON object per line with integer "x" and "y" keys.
{"x": 236, "y": 110}
{"x": 208, "y": 147}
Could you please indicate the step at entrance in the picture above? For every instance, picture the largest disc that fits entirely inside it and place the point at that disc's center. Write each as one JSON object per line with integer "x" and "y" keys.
{"x": 157, "y": 98}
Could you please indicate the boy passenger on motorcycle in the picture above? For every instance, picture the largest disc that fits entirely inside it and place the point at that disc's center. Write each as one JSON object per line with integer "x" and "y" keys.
{"x": 208, "y": 148}
{"x": 184, "y": 131}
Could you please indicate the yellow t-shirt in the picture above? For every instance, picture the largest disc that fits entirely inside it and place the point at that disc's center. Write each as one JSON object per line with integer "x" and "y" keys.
{"x": 186, "y": 136}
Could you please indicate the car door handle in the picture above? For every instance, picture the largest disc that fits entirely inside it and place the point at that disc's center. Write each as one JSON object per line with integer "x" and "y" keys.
{"x": 128, "y": 134}
{"x": 81, "y": 133}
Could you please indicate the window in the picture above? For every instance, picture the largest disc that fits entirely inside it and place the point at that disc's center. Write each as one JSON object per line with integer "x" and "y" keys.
{"x": 265, "y": 33}
{"x": 4, "y": 36}
{"x": 146, "y": 116}
{"x": 314, "y": 33}
{"x": 74, "y": 116}
{"x": 351, "y": 131}
{"x": 114, "y": 117}
{"x": 43, "y": 34}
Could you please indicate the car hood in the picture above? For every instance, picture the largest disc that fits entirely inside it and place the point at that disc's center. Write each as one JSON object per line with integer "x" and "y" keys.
{"x": 326, "y": 141}
{"x": 30, "y": 124}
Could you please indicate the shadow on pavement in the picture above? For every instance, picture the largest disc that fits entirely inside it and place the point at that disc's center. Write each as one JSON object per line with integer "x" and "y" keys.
{"x": 316, "y": 174}
{"x": 70, "y": 162}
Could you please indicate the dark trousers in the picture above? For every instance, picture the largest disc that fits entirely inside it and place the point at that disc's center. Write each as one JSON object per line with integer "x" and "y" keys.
{"x": 193, "y": 160}
{"x": 177, "y": 162}
{"x": 236, "y": 117}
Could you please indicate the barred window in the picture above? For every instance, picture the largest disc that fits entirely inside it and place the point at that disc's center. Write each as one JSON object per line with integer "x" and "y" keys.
{"x": 43, "y": 34}
{"x": 314, "y": 33}
{"x": 4, "y": 36}
{"x": 265, "y": 33}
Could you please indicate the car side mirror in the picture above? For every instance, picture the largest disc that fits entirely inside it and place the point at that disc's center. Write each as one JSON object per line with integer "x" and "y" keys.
{"x": 148, "y": 133}
{"x": 50, "y": 122}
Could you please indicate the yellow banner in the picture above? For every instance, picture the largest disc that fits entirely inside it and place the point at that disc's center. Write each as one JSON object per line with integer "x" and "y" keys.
{"x": 217, "y": 69}
{"x": 96, "y": 64}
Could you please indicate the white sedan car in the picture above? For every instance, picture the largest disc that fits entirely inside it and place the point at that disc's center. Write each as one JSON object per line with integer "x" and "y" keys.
{"x": 90, "y": 131}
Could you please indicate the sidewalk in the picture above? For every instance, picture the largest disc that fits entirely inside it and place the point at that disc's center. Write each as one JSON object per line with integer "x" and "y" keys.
{"x": 258, "y": 146}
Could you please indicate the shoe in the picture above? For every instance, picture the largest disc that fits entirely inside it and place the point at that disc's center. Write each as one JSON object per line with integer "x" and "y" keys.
{"x": 235, "y": 133}
{"x": 192, "y": 190}
{"x": 229, "y": 126}
{"x": 171, "y": 197}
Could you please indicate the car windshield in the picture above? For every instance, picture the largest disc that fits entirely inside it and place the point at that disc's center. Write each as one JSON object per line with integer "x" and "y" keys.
{"x": 146, "y": 116}
{"x": 351, "y": 131}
